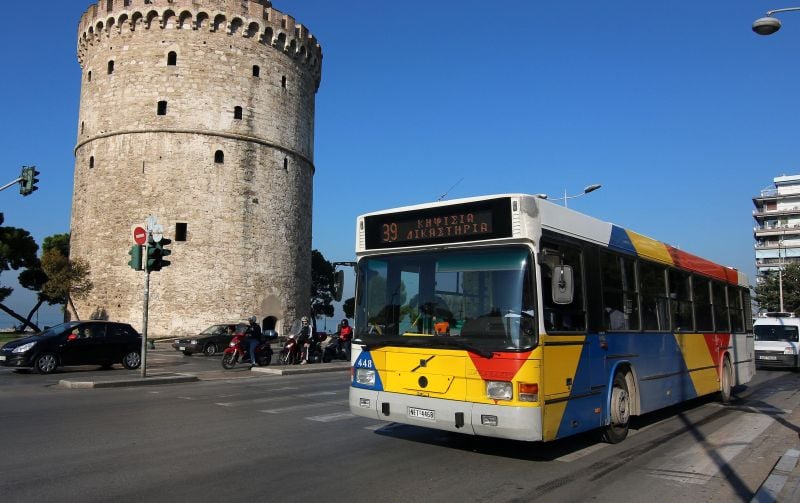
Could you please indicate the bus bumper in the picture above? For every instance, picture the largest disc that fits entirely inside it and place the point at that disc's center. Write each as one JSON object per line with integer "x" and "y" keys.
{"x": 500, "y": 421}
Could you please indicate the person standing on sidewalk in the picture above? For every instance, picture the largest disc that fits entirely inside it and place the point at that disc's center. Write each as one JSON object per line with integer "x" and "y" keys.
{"x": 345, "y": 336}
{"x": 254, "y": 338}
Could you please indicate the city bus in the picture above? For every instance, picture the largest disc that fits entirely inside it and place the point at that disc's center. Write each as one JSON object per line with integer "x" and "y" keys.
{"x": 510, "y": 316}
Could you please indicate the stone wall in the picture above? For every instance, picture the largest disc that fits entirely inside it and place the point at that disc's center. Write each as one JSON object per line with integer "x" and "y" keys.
{"x": 204, "y": 118}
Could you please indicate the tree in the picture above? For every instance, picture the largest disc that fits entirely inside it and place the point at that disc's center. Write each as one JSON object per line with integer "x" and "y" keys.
{"x": 768, "y": 291}
{"x": 349, "y": 307}
{"x": 322, "y": 284}
{"x": 66, "y": 279}
{"x": 17, "y": 251}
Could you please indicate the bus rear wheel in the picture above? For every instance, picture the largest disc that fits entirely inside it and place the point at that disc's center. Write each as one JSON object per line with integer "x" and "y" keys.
{"x": 725, "y": 380}
{"x": 617, "y": 430}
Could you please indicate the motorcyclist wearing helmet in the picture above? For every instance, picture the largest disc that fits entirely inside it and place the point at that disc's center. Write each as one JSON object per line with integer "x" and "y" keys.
{"x": 254, "y": 338}
{"x": 305, "y": 338}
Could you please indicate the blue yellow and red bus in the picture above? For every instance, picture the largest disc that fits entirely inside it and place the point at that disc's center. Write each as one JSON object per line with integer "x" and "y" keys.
{"x": 513, "y": 317}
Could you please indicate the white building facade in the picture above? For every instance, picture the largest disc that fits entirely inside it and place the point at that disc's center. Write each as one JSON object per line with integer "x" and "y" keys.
{"x": 777, "y": 230}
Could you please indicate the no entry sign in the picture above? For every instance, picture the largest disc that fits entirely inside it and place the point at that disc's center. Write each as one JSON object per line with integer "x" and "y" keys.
{"x": 139, "y": 235}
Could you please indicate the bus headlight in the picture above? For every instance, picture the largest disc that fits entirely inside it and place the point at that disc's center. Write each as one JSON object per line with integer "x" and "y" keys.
{"x": 365, "y": 377}
{"x": 499, "y": 390}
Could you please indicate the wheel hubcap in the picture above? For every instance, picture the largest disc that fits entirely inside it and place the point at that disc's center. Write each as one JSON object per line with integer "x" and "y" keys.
{"x": 620, "y": 411}
{"x": 47, "y": 363}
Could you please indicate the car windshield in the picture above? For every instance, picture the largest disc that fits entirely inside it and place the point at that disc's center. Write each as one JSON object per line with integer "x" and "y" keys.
{"x": 215, "y": 330}
{"x": 480, "y": 300}
{"x": 59, "y": 329}
{"x": 782, "y": 333}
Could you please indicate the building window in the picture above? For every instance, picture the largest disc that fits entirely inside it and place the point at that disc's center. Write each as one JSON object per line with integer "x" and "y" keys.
{"x": 126, "y": 3}
{"x": 285, "y": 163}
{"x": 91, "y": 162}
{"x": 180, "y": 231}
{"x": 283, "y": 82}
{"x": 172, "y": 58}
{"x": 237, "y": 112}
{"x": 219, "y": 157}
{"x": 83, "y": 127}
{"x": 256, "y": 71}
{"x": 162, "y": 108}
{"x": 111, "y": 67}
{"x": 89, "y": 76}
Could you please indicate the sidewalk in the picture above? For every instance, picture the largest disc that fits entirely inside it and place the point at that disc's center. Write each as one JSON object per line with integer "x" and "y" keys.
{"x": 783, "y": 482}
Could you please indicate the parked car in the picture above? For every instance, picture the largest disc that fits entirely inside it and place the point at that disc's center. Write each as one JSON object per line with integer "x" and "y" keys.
{"x": 210, "y": 341}
{"x": 75, "y": 343}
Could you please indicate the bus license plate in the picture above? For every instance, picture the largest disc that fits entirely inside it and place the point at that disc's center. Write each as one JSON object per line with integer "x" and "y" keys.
{"x": 767, "y": 357}
{"x": 426, "y": 414}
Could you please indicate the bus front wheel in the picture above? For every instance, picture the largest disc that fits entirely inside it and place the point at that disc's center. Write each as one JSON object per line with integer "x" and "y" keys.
{"x": 617, "y": 429}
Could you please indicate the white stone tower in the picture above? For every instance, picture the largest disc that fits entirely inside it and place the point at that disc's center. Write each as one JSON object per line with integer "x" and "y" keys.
{"x": 201, "y": 113}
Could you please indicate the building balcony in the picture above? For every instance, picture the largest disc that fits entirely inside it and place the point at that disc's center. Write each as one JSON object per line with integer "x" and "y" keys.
{"x": 759, "y": 213}
{"x": 786, "y": 231}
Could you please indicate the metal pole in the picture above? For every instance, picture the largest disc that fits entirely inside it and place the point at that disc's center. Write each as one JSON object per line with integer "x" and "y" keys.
{"x": 780, "y": 273}
{"x": 4, "y": 187}
{"x": 565, "y": 199}
{"x": 144, "y": 309}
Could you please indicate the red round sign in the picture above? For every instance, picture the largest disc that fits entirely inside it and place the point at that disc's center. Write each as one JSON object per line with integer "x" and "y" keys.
{"x": 139, "y": 236}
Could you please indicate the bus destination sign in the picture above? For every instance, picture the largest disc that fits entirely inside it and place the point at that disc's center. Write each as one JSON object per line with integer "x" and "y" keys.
{"x": 473, "y": 221}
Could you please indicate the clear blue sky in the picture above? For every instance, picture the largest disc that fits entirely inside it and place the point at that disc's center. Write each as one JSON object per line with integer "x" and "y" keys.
{"x": 678, "y": 109}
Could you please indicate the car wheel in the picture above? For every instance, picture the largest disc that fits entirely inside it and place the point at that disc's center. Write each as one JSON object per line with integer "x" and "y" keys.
{"x": 131, "y": 360}
{"x": 46, "y": 363}
{"x": 210, "y": 349}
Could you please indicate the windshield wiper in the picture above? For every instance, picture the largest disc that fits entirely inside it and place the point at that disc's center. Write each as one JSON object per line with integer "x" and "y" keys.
{"x": 446, "y": 341}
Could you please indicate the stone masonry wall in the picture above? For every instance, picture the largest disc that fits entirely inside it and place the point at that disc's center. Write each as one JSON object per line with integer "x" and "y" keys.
{"x": 229, "y": 156}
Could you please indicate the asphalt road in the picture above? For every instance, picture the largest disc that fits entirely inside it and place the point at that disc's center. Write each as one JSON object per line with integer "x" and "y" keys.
{"x": 243, "y": 437}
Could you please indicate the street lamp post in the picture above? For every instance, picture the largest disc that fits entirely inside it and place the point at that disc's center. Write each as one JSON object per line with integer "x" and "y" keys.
{"x": 780, "y": 272}
{"x": 590, "y": 188}
{"x": 768, "y": 24}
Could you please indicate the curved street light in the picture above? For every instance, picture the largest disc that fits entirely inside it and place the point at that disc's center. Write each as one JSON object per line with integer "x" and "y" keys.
{"x": 590, "y": 188}
{"x": 768, "y": 24}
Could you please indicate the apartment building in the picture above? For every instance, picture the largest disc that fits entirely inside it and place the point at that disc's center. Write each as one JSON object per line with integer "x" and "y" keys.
{"x": 777, "y": 230}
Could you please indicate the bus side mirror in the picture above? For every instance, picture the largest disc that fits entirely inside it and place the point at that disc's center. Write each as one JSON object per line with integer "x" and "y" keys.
{"x": 562, "y": 284}
{"x": 338, "y": 285}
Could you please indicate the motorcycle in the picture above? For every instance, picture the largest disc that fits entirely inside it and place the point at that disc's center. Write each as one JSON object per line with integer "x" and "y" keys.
{"x": 334, "y": 350}
{"x": 237, "y": 350}
{"x": 292, "y": 352}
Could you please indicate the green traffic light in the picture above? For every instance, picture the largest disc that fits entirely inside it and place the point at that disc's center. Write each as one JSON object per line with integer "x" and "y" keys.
{"x": 153, "y": 256}
{"x": 28, "y": 180}
{"x": 136, "y": 257}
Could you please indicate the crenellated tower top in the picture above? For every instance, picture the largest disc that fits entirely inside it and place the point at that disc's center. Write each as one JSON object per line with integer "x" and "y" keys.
{"x": 253, "y": 19}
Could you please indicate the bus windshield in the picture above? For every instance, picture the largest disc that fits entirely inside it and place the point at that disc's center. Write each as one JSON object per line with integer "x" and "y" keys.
{"x": 783, "y": 333}
{"x": 481, "y": 300}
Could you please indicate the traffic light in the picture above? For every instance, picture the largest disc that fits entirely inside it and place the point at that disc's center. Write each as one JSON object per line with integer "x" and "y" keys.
{"x": 153, "y": 256}
{"x": 27, "y": 184}
{"x": 162, "y": 245}
{"x": 136, "y": 257}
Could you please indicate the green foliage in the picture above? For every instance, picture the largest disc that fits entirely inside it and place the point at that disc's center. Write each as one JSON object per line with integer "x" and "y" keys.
{"x": 322, "y": 284}
{"x": 349, "y": 307}
{"x": 768, "y": 291}
{"x": 17, "y": 250}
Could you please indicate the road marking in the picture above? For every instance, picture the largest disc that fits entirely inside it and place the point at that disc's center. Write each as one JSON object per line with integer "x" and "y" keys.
{"x": 327, "y": 418}
{"x": 237, "y": 403}
{"x": 302, "y": 406}
{"x": 702, "y": 461}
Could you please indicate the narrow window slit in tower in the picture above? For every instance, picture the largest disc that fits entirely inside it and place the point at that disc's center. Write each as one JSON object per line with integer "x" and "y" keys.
{"x": 172, "y": 58}
{"x": 89, "y": 76}
{"x": 283, "y": 82}
{"x": 237, "y": 112}
{"x": 219, "y": 157}
{"x": 256, "y": 71}
{"x": 286, "y": 163}
{"x": 111, "y": 67}
{"x": 180, "y": 231}
{"x": 91, "y": 162}
{"x": 162, "y": 108}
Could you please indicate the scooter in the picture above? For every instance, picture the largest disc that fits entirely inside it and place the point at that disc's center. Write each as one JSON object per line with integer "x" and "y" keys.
{"x": 293, "y": 351}
{"x": 237, "y": 350}
{"x": 334, "y": 350}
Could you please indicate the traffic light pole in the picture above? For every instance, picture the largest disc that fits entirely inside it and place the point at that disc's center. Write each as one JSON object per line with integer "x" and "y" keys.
{"x": 4, "y": 187}
{"x": 144, "y": 315}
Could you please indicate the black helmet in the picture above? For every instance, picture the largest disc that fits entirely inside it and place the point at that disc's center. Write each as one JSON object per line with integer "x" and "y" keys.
{"x": 344, "y": 322}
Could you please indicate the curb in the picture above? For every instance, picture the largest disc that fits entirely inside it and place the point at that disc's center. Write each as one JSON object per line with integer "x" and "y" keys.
{"x": 313, "y": 368}
{"x": 121, "y": 383}
{"x": 772, "y": 487}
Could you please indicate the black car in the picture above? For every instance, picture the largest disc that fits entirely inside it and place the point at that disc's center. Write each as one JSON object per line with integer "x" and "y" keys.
{"x": 75, "y": 343}
{"x": 210, "y": 341}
